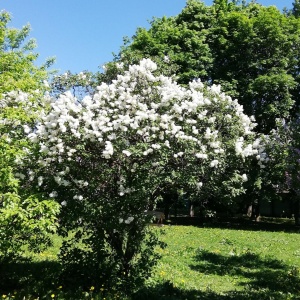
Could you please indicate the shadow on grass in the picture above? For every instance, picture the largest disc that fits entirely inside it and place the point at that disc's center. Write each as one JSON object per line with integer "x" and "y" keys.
{"x": 40, "y": 280}
{"x": 257, "y": 278}
{"x": 28, "y": 278}
{"x": 235, "y": 223}
{"x": 166, "y": 291}
{"x": 256, "y": 273}
{"x": 266, "y": 279}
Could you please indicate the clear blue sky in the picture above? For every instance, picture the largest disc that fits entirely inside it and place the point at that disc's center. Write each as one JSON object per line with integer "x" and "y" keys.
{"x": 83, "y": 34}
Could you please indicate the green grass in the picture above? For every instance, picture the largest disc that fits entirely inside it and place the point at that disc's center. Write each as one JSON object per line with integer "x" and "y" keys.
{"x": 230, "y": 263}
{"x": 198, "y": 263}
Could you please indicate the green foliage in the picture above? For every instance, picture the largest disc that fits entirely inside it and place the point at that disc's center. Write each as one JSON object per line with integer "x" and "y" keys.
{"x": 178, "y": 45}
{"x": 17, "y": 68}
{"x": 122, "y": 268}
{"x": 251, "y": 50}
{"x": 296, "y": 8}
{"x": 254, "y": 59}
{"x": 284, "y": 166}
{"x": 24, "y": 219}
{"x": 25, "y": 222}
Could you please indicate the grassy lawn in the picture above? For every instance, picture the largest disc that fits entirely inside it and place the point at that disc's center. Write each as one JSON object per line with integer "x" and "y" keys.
{"x": 198, "y": 263}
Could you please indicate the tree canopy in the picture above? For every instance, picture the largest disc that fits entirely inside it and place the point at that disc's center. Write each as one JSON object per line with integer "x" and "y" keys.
{"x": 18, "y": 70}
{"x": 25, "y": 218}
{"x": 250, "y": 49}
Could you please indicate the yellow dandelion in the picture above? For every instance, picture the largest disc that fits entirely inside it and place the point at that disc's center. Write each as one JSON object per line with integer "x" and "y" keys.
{"x": 92, "y": 288}
{"x": 4, "y": 296}
{"x": 53, "y": 295}
{"x": 60, "y": 287}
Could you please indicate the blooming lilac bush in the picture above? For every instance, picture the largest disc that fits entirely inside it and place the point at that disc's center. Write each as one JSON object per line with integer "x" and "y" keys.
{"x": 104, "y": 156}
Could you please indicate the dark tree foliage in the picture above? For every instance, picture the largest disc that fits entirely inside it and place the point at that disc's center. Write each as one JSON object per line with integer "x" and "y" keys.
{"x": 296, "y": 8}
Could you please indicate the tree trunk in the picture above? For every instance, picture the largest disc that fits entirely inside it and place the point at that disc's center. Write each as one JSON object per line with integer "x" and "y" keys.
{"x": 167, "y": 212}
{"x": 249, "y": 211}
{"x": 255, "y": 211}
{"x": 169, "y": 198}
{"x": 191, "y": 209}
{"x": 297, "y": 211}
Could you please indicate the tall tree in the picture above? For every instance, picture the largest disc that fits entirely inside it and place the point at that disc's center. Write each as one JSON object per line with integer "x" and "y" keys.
{"x": 251, "y": 50}
{"x": 18, "y": 70}
{"x": 25, "y": 218}
{"x": 177, "y": 44}
{"x": 253, "y": 60}
{"x": 296, "y": 8}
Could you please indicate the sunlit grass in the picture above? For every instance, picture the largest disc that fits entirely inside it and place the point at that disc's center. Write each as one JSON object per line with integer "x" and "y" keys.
{"x": 199, "y": 258}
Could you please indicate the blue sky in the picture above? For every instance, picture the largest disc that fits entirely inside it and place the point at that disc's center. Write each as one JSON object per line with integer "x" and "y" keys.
{"x": 83, "y": 34}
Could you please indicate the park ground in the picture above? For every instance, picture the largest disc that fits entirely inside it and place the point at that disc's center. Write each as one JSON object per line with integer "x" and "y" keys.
{"x": 222, "y": 260}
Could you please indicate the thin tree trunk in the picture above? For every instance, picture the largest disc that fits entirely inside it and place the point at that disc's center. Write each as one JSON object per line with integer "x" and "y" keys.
{"x": 192, "y": 211}
{"x": 297, "y": 211}
{"x": 255, "y": 211}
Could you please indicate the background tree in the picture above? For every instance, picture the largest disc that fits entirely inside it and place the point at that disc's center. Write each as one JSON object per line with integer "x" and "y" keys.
{"x": 25, "y": 217}
{"x": 283, "y": 167}
{"x": 251, "y": 50}
{"x": 17, "y": 69}
{"x": 80, "y": 85}
{"x": 296, "y": 8}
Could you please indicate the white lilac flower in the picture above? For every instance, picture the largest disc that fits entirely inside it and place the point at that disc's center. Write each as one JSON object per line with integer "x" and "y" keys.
{"x": 126, "y": 152}
{"x": 40, "y": 180}
{"x": 214, "y": 163}
{"x": 244, "y": 177}
{"x": 129, "y": 220}
{"x": 199, "y": 185}
{"x": 53, "y": 194}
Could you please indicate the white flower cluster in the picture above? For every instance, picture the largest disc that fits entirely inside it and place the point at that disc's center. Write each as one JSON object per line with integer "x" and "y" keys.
{"x": 141, "y": 108}
{"x": 16, "y": 100}
{"x": 85, "y": 77}
{"x": 126, "y": 221}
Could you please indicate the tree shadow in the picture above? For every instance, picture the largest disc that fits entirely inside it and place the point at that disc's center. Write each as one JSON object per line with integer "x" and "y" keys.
{"x": 266, "y": 274}
{"x": 28, "y": 278}
{"x": 166, "y": 291}
{"x": 234, "y": 223}
{"x": 39, "y": 280}
{"x": 269, "y": 279}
